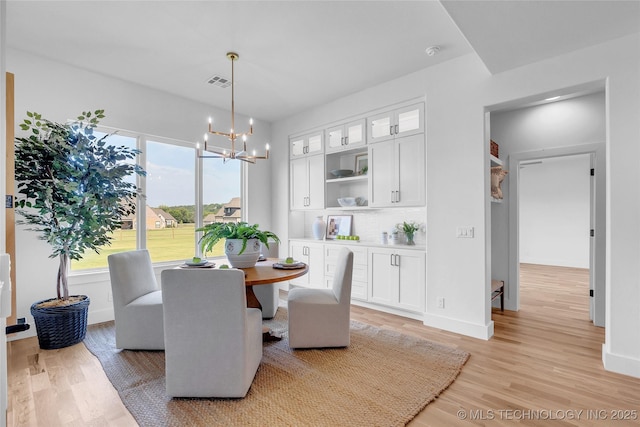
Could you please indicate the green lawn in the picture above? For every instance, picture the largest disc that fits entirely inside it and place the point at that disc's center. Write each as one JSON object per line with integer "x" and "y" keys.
{"x": 165, "y": 244}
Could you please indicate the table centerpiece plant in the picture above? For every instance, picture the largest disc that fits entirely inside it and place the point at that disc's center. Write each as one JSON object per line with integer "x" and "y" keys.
{"x": 242, "y": 241}
{"x": 73, "y": 189}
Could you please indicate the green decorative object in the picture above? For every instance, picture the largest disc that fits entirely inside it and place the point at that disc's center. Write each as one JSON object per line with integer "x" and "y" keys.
{"x": 217, "y": 231}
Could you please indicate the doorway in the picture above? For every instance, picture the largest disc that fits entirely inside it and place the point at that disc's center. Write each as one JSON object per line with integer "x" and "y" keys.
{"x": 556, "y": 207}
{"x": 595, "y": 211}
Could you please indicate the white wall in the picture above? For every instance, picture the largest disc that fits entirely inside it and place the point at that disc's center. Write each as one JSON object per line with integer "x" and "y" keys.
{"x": 457, "y": 93}
{"x": 554, "y": 212}
{"x": 60, "y": 92}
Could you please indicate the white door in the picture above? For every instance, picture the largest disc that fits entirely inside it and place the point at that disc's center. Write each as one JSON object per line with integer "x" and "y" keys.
{"x": 411, "y": 169}
{"x": 299, "y": 183}
{"x": 382, "y": 174}
{"x": 316, "y": 180}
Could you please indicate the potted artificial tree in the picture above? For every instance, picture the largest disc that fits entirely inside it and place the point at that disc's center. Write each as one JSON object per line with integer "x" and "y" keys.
{"x": 242, "y": 245}
{"x": 72, "y": 189}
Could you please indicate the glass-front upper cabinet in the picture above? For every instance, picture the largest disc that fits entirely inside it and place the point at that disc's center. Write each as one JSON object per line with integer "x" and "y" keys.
{"x": 346, "y": 136}
{"x": 305, "y": 145}
{"x": 395, "y": 123}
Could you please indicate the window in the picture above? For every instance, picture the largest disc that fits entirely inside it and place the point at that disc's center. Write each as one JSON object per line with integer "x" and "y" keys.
{"x": 165, "y": 219}
{"x": 170, "y": 189}
{"x": 221, "y": 194}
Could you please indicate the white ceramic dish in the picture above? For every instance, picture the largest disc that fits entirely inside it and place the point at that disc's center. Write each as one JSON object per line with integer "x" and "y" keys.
{"x": 341, "y": 173}
{"x": 196, "y": 264}
{"x": 347, "y": 201}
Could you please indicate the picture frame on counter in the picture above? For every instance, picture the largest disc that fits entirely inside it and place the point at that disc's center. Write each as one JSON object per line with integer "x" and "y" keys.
{"x": 338, "y": 225}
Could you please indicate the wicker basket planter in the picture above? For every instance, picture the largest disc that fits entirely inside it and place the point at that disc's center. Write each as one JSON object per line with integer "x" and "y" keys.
{"x": 59, "y": 327}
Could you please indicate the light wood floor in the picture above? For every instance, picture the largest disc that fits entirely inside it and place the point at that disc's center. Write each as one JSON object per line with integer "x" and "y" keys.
{"x": 544, "y": 359}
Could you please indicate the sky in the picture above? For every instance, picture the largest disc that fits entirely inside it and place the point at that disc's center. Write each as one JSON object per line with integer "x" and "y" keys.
{"x": 171, "y": 175}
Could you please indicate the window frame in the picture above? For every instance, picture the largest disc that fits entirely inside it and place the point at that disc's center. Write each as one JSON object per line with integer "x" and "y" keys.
{"x": 86, "y": 276}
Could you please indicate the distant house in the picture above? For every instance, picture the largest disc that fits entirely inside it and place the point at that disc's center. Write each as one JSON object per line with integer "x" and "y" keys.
{"x": 161, "y": 219}
{"x": 156, "y": 218}
{"x": 230, "y": 212}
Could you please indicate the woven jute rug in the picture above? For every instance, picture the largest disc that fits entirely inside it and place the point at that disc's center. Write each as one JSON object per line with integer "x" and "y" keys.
{"x": 382, "y": 379}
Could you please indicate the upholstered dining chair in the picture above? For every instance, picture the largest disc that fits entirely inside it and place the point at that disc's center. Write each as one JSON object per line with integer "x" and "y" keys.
{"x": 137, "y": 301}
{"x": 213, "y": 342}
{"x": 320, "y": 317}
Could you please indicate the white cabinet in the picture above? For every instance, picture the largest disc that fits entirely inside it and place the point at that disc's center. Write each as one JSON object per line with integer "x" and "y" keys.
{"x": 359, "y": 281}
{"x": 307, "y": 183}
{"x": 305, "y": 145}
{"x": 313, "y": 255}
{"x": 346, "y": 136}
{"x": 396, "y": 123}
{"x": 397, "y": 172}
{"x": 397, "y": 278}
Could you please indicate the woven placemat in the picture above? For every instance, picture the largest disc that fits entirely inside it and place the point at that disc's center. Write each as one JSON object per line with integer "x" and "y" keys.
{"x": 382, "y": 379}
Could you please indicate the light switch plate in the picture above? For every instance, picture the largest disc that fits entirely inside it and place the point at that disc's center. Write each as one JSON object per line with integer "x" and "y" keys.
{"x": 465, "y": 232}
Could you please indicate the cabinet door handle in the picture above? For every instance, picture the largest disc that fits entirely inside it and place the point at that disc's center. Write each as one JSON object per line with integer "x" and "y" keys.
{"x": 397, "y": 258}
{"x": 393, "y": 196}
{"x": 346, "y": 140}
{"x": 391, "y": 259}
{"x": 391, "y": 130}
{"x": 397, "y": 128}
{"x": 397, "y": 196}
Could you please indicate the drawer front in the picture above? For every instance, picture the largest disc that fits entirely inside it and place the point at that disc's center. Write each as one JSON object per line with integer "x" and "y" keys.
{"x": 358, "y": 288}
{"x": 359, "y": 254}
{"x": 359, "y": 271}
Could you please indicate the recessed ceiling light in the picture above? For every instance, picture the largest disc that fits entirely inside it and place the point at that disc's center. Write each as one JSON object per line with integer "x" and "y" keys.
{"x": 432, "y": 50}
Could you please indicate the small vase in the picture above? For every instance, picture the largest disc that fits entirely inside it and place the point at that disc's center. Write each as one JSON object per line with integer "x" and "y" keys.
{"x": 410, "y": 239}
{"x": 318, "y": 227}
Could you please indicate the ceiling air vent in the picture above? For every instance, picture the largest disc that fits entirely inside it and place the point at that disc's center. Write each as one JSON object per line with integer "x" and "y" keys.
{"x": 219, "y": 81}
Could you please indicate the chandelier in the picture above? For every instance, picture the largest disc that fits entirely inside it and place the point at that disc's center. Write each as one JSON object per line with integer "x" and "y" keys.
{"x": 232, "y": 135}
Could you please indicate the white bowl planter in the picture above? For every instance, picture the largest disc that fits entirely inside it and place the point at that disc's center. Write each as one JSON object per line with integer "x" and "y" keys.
{"x": 247, "y": 258}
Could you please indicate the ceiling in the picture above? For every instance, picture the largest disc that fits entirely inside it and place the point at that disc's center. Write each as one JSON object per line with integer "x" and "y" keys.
{"x": 295, "y": 55}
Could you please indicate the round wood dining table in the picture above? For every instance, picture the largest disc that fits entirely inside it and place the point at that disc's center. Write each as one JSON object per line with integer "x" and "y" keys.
{"x": 263, "y": 274}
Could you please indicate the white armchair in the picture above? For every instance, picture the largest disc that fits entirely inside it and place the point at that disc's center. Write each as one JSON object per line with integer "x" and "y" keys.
{"x": 213, "y": 342}
{"x": 320, "y": 317}
{"x": 137, "y": 301}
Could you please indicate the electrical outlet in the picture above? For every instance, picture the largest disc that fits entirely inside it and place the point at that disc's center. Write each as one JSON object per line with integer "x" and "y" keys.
{"x": 440, "y": 302}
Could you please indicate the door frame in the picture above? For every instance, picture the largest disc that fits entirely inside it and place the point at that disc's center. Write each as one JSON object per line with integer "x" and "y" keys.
{"x": 597, "y": 262}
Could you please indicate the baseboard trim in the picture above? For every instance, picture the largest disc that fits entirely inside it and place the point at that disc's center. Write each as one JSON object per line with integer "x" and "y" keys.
{"x": 483, "y": 332}
{"x": 620, "y": 364}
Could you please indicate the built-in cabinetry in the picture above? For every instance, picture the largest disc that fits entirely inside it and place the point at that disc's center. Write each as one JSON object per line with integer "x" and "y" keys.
{"x": 312, "y": 254}
{"x": 307, "y": 144}
{"x": 397, "y": 278}
{"x": 307, "y": 185}
{"x": 397, "y": 172}
{"x": 346, "y": 136}
{"x": 385, "y": 276}
{"x": 359, "y": 282}
{"x": 394, "y": 123}
{"x": 390, "y": 142}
